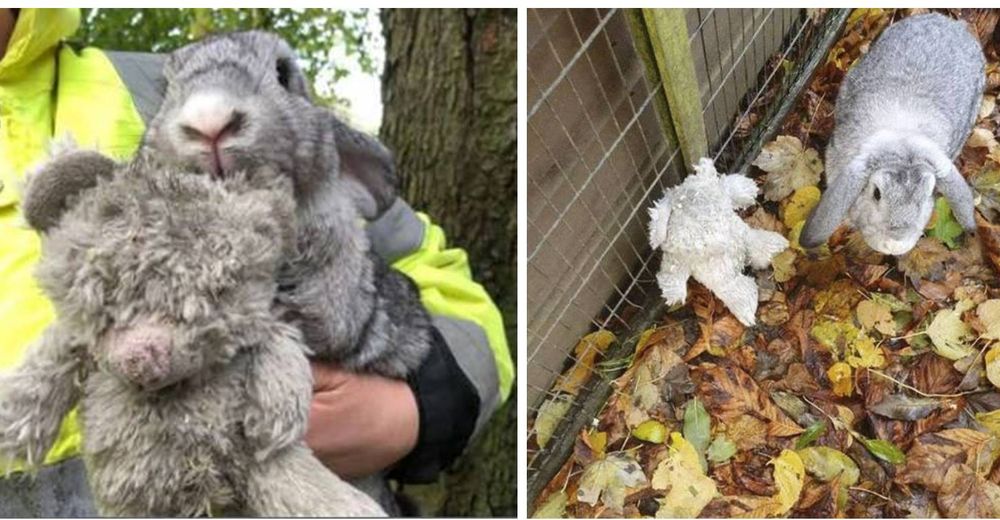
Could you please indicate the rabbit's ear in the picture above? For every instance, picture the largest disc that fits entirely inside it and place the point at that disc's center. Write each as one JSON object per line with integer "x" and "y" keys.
{"x": 364, "y": 161}
{"x": 48, "y": 192}
{"x": 833, "y": 206}
{"x": 952, "y": 185}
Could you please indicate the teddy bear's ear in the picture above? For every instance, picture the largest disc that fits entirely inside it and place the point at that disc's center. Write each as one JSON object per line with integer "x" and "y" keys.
{"x": 51, "y": 190}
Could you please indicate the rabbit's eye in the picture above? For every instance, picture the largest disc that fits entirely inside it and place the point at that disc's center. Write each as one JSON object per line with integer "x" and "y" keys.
{"x": 284, "y": 72}
{"x": 877, "y": 194}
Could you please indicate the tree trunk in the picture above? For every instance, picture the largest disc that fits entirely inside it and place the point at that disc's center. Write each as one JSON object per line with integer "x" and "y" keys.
{"x": 450, "y": 95}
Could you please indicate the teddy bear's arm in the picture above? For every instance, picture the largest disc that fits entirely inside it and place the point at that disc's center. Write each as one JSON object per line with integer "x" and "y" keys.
{"x": 659, "y": 217}
{"x": 280, "y": 389}
{"x": 741, "y": 190}
{"x": 35, "y": 396}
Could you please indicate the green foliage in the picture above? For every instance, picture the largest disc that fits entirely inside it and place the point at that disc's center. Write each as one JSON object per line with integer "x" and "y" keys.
{"x": 945, "y": 228}
{"x": 314, "y": 33}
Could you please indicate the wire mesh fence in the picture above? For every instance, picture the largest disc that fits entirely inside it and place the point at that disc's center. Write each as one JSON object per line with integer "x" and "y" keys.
{"x": 600, "y": 153}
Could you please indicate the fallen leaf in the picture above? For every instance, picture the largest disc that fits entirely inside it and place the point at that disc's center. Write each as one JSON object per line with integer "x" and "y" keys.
{"x": 966, "y": 494}
{"x": 799, "y": 205}
{"x": 864, "y": 353}
{"x": 933, "y": 453}
{"x": 834, "y": 335}
{"x": 650, "y": 431}
{"x": 949, "y": 334}
{"x": 827, "y": 464}
{"x": 989, "y": 314}
{"x": 607, "y": 479}
{"x": 926, "y": 260}
{"x": 549, "y": 414}
{"x": 585, "y": 352}
{"x": 789, "y": 166}
{"x": 784, "y": 265}
{"x": 747, "y": 432}
{"x": 554, "y": 506}
{"x": 990, "y": 420}
{"x": 992, "y": 360}
{"x": 681, "y": 474}
{"x": 884, "y": 450}
{"x": 981, "y": 138}
{"x": 837, "y": 301}
{"x": 789, "y": 473}
{"x": 840, "y": 377}
{"x": 813, "y": 432}
{"x": 875, "y": 315}
{"x": 943, "y": 226}
{"x": 721, "y": 449}
{"x": 730, "y": 393}
{"x": 905, "y": 408}
{"x": 697, "y": 425}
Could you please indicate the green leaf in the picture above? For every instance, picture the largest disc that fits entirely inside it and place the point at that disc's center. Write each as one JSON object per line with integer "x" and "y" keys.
{"x": 884, "y": 450}
{"x": 945, "y": 228}
{"x": 697, "y": 425}
{"x": 554, "y": 507}
{"x": 827, "y": 463}
{"x": 721, "y": 449}
{"x": 813, "y": 432}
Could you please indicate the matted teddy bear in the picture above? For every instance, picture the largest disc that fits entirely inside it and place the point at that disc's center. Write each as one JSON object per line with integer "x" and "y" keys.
{"x": 696, "y": 226}
{"x": 193, "y": 395}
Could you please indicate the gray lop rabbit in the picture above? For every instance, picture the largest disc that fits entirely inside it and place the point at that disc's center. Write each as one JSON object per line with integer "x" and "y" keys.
{"x": 902, "y": 115}
{"x": 239, "y": 100}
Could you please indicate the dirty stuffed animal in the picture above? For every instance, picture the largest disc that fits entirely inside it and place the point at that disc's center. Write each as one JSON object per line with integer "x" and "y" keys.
{"x": 193, "y": 395}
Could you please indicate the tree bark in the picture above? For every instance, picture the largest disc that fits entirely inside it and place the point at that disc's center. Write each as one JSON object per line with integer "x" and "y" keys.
{"x": 450, "y": 100}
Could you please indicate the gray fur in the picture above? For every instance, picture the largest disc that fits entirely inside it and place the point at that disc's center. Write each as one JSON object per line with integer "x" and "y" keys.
{"x": 351, "y": 309}
{"x": 218, "y": 426}
{"x": 902, "y": 115}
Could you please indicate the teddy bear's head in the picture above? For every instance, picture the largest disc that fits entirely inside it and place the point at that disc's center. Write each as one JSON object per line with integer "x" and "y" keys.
{"x": 162, "y": 272}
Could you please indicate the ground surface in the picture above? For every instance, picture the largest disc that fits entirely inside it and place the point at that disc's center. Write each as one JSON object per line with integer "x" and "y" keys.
{"x": 868, "y": 387}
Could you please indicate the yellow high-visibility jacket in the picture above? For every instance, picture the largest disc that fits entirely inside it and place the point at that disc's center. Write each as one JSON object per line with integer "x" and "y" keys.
{"x": 48, "y": 89}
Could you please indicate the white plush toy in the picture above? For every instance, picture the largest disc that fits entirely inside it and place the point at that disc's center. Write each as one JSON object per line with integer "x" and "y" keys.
{"x": 696, "y": 226}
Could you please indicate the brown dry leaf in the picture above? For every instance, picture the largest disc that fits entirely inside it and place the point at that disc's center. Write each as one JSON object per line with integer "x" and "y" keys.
{"x": 989, "y": 237}
{"x": 789, "y": 166}
{"x": 727, "y": 334}
{"x": 982, "y": 138}
{"x": 747, "y": 432}
{"x": 933, "y": 453}
{"x": 966, "y": 494}
{"x": 729, "y": 392}
{"x": 773, "y": 314}
{"x": 586, "y": 352}
{"x": 703, "y": 304}
{"x": 761, "y": 219}
{"x": 925, "y": 260}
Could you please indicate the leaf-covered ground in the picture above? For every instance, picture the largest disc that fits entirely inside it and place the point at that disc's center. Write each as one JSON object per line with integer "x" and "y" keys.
{"x": 868, "y": 388}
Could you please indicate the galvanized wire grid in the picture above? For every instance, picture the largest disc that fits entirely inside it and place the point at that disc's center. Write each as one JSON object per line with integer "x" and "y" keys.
{"x": 597, "y": 158}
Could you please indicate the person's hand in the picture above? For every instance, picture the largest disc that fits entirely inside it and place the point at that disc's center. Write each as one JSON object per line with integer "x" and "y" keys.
{"x": 359, "y": 424}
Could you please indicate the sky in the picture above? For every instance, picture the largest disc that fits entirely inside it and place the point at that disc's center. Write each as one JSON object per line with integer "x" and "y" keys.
{"x": 363, "y": 90}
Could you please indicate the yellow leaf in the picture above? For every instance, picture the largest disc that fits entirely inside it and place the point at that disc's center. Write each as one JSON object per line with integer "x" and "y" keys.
{"x": 608, "y": 478}
{"x": 586, "y": 352}
{"x": 650, "y": 431}
{"x": 549, "y": 415}
{"x": 784, "y": 265}
{"x": 681, "y": 474}
{"x": 949, "y": 334}
{"x": 865, "y": 354}
{"x": 876, "y": 315}
{"x": 989, "y": 314}
{"x": 991, "y": 420}
{"x": 554, "y": 506}
{"x": 789, "y": 166}
{"x": 789, "y": 472}
{"x": 801, "y": 203}
{"x": 993, "y": 365}
{"x": 840, "y": 377}
{"x": 598, "y": 442}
